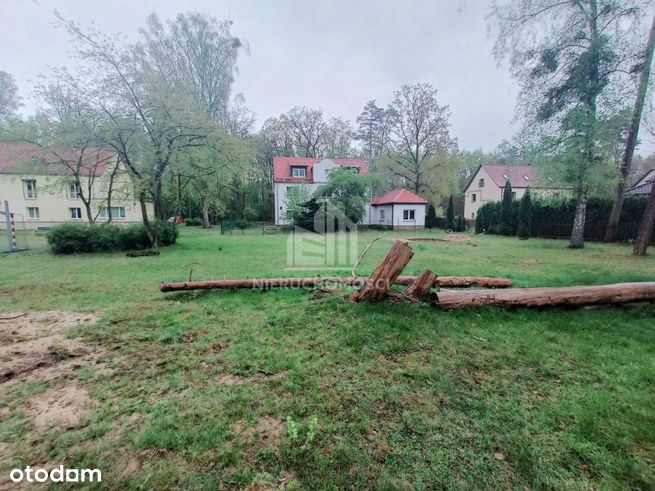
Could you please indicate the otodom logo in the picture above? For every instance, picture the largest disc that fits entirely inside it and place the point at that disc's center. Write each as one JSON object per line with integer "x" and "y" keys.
{"x": 57, "y": 474}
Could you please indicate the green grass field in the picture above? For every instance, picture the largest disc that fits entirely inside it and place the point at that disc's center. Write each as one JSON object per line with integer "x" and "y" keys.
{"x": 199, "y": 388}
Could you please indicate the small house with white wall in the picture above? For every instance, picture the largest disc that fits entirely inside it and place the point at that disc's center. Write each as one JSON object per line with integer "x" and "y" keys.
{"x": 488, "y": 182}
{"x": 643, "y": 185}
{"x": 400, "y": 209}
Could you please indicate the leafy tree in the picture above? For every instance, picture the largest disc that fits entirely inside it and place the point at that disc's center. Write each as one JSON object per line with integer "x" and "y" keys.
{"x": 450, "y": 214}
{"x": 295, "y": 198}
{"x": 338, "y": 139}
{"x": 431, "y": 217}
{"x": 506, "y": 227}
{"x": 568, "y": 57}
{"x": 420, "y": 141}
{"x": 347, "y": 191}
{"x": 373, "y": 126}
{"x": 9, "y": 100}
{"x": 525, "y": 216}
{"x": 644, "y": 69}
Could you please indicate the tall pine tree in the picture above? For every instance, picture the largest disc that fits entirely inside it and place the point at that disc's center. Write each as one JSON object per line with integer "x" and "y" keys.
{"x": 506, "y": 227}
{"x": 450, "y": 214}
{"x": 525, "y": 216}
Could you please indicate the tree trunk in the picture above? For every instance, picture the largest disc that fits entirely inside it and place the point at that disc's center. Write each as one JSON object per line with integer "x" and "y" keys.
{"x": 266, "y": 283}
{"x": 150, "y": 230}
{"x": 420, "y": 287}
{"x": 377, "y": 286}
{"x": 645, "y": 231}
{"x": 540, "y": 297}
{"x": 631, "y": 141}
{"x": 205, "y": 218}
{"x": 577, "y": 234}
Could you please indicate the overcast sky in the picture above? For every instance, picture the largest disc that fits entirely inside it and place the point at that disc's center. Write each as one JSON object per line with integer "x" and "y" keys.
{"x": 334, "y": 54}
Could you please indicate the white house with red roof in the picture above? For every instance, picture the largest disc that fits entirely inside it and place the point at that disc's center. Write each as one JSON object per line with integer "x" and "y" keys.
{"x": 305, "y": 174}
{"x": 399, "y": 209}
{"x": 488, "y": 181}
{"x": 41, "y": 190}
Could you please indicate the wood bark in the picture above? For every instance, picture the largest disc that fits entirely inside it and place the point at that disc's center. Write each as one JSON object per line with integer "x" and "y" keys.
{"x": 376, "y": 287}
{"x": 266, "y": 283}
{"x": 577, "y": 234}
{"x": 631, "y": 141}
{"x": 420, "y": 287}
{"x": 538, "y": 297}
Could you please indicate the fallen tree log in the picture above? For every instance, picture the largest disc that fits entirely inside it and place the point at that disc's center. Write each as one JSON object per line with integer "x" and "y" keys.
{"x": 375, "y": 287}
{"x": 308, "y": 282}
{"x": 420, "y": 287}
{"x": 539, "y": 297}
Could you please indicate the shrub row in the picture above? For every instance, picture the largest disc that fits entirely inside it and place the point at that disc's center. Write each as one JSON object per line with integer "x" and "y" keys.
{"x": 193, "y": 222}
{"x": 71, "y": 238}
{"x": 548, "y": 212}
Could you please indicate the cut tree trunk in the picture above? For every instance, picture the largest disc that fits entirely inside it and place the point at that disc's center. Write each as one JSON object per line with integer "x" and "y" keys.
{"x": 539, "y": 297}
{"x": 645, "y": 231}
{"x": 376, "y": 287}
{"x": 420, "y": 288}
{"x": 267, "y": 283}
{"x": 631, "y": 141}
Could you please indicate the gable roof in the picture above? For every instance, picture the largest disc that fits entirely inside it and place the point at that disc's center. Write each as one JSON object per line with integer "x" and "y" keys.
{"x": 282, "y": 167}
{"x": 27, "y": 158}
{"x": 643, "y": 185}
{"x": 399, "y": 196}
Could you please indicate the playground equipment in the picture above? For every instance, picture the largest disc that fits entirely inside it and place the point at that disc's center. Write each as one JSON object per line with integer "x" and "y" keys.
{"x": 15, "y": 230}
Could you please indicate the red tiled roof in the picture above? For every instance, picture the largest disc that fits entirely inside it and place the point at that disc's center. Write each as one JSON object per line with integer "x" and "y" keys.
{"x": 26, "y": 158}
{"x": 282, "y": 167}
{"x": 399, "y": 196}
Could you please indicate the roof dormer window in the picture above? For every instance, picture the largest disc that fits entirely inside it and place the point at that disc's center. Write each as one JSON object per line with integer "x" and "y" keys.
{"x": 506, "y": 176}
{"x": 298, "y": 171}
{"x": 526, "y": 178}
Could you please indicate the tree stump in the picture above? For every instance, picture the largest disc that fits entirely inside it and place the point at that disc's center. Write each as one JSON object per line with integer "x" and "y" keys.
{"x": 420, "y": 288}
{"x": 377, "y": 286}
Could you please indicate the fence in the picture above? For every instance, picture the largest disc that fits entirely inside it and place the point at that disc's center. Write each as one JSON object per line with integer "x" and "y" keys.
{"x": 627, "y": 231}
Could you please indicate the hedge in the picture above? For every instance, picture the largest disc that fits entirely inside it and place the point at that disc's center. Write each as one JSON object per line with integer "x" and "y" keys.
{"x": 71, "y": 238}
{"x": 549, "y": 213}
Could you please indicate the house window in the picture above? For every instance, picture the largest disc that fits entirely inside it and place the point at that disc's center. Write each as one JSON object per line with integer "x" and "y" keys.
{"x": 473, "y": 198}
{"x": 33, "y": 213}
{"x": 408, "y": 214}
{"x": 298, "y": 172}
{"x": 481, "y": 183}
{"x": 382, "y": 215}
{"x": 29, "y": 188}
{"x": 353, "y": 169}
{"x": 74, "y": 191}
{"x": 75, "y": 213}
{"x": 116, "y": 212}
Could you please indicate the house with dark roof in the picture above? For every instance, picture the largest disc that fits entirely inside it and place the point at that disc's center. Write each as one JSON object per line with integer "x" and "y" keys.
{"x": 488, "y": 181}
{"x": 42, "y": 189}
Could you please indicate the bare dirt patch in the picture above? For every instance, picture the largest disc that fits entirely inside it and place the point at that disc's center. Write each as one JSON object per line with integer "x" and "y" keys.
{"x": 268, "y": 431}
{"x": 65, "y": 407}
{"x": 35, "y": 345}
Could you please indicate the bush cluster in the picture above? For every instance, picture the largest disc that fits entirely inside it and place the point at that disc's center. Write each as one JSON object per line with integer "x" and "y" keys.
{"x": 71, "y": 238}
{"x": 193, "y": 222}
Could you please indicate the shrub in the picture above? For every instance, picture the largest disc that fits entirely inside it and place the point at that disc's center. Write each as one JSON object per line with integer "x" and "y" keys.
{"x": 431, "y": 217}
{"x": 525, "y": 216}
{"x": 242, "y": 224}
{"x": 250, "y": 215}
{"x": 71, "y": 238}
{"x": 450, "y": 214}
{"x": 193, "y": 222}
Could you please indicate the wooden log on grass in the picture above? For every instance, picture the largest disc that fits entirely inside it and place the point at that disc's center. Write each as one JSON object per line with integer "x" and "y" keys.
{"x": 376, "y": 287}
{"x": 540, "y": 297}
{"x": 308, "y": 282}
{"x": 420, "y": 287}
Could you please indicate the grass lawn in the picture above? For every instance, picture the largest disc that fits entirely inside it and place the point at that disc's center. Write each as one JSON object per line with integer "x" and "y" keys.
{"x": 198, "y": 390}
